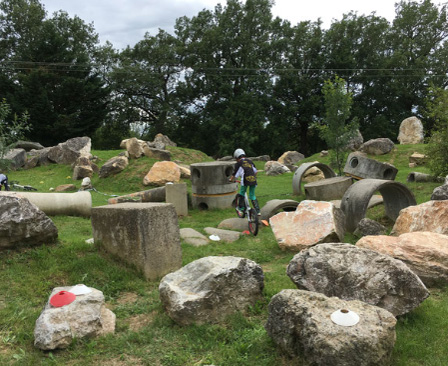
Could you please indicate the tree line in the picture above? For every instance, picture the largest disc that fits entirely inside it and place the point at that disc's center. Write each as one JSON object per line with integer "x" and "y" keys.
{"x": 234, "y": 76}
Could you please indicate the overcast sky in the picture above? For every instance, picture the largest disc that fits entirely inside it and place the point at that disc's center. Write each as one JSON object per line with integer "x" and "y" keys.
{"x": 124, "y": 22}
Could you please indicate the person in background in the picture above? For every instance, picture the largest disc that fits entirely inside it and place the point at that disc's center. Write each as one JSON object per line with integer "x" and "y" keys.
{"x": 4, "y": 182}
{"x": 246, "y": 170}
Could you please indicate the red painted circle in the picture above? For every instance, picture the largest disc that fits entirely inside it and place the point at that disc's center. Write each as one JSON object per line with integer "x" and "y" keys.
{"x": 62, "y": 298}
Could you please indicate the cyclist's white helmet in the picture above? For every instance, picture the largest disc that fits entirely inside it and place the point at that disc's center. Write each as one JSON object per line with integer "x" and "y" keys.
{"x": 238, "y": 153}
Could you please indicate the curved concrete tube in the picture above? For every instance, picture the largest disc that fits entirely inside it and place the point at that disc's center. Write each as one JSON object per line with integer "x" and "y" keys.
{"x": 327, "y": 189}
{"x": 70, "y": 204}
{"x": 300, "y": 172}
{"x": 354, "y": 204}
{"x": 273, "y": 207}
{"x": 422, "y": 177}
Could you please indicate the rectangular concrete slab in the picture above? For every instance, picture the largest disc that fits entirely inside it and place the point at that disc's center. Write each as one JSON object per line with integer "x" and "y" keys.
{"x": 142, "y": 234}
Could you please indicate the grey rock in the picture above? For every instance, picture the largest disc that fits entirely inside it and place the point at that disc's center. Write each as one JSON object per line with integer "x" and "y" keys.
{"x": 22, "y": 223}
{"x": 299, "y": 323}
{"x": 234, "y": 223}
{"x": 41, "y": 155}
{"x": 290, "y": 158}
{"x": 275, "y": 168}
{"x": 343, "y": 270}
{"x": 440, "y": 193}
{"x": 86, "y": 316}
{"x": 370, "y": 227}
{"x": 28, "y": 145}
{"x": 356, "y": 141}
{"x": 17, "y": 157}
{"x": 193, "y": 237}
{"x": 260, "y": 158}
{"x": 411, "y": 131}
{"x": 113, "y": 166}
{"x": 159, "y": 154}
{"x": 378, "y": 146}
{"x": 67, "y": 152}
{"x": 209, "y": 289}
{"x": 224, "y": 235}
{"x": 134, "y": 148}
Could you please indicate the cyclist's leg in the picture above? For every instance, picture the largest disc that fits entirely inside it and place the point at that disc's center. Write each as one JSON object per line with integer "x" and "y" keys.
{"x": 253, "y": 198}
{"x": 241, "y": 203}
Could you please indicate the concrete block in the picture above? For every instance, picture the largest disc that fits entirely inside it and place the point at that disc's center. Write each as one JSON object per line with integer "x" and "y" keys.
{"x": 145, "y": 235}
{"x": 327, "y": 189}
{"x": 361, "y": 167}
{"x": 177, "y": 195}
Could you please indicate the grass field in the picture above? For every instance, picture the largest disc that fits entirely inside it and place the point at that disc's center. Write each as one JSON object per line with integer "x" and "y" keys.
{"x": 145, "y": 335}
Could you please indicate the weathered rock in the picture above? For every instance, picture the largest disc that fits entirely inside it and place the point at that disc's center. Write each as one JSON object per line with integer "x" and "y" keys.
{"x": 124, "y": 142}
{"x": 65, "y": 188}
{"x": 161, "y": 173}
{"x": 275, "y": 168}
{"x": 224, "y": 235}
{"x": 134, "y": 148}
{"x": 290, "y": 158}
{"x": 86, "y": 316}
{"x": 22, "y": 223}
{"x": 86, "y": 184}
{"x": 369, "y": 227}
{"x": 28, "y": 145}
{"x": 313, "y": 174}
{"x": 193, "y": 237}
{"x": 163, "y": 139}
{"x": 162, "y": 155}
{"x": 356, "y": 141}
{"x": 312, "y": 223}
{"x": 323, "y": 153}
{"x": 185, "y": 172}
{"x": 17, "y": 157}
{"x": 299, "y": 323}
{"x": 353, "y": 273}
{"x": 378, "y": 146}
{"x": 82, "y": 171}
{"x": 67, "y": 152}
{"x": 440, "y": 193}
{"x": 209, "y": 289}
{"x": 425, "y": 253}
{"x": 411, "y": 131}
{"x": 429, "y": 216}
{"x": 41, "y": 155}
{"x": 234, "y": 223}
{"x": 113, "y": 166}
{"x": 417, "y": 159}
{"x": 31, "y": 162}
{"x": 260, "y": 158}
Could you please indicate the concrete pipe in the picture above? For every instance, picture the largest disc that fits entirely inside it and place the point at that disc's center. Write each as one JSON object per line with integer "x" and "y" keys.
{"x": 300, "y": 172}
{"x": 70, "y": 204}
{"x": 396, "y": 196}
{"x": 422, "y": 177}
{"x": 361, "y": 167}
{"x": 210, "y": 185}
{"x": 150, "y": 195}
{"x": 273, "y": 207}
{"x": 327, "y": 189}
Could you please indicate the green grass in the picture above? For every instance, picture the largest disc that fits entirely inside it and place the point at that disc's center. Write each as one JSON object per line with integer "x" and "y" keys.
{"x": 145, "y": 335}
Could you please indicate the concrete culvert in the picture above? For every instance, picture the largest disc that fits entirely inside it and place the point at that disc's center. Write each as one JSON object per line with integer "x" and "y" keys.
{"x": 273, "y": 207}
{"x": 396, "y": 196}
{"x": 300, "y": 172}
{"x": 422, "y": 177}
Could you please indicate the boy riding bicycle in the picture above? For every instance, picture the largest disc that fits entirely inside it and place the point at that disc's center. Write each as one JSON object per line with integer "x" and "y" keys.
{"x": 4, "y": 182}
{"x": 246, "y": 170}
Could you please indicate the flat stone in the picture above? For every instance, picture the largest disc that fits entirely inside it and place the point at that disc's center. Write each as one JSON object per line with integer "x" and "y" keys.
{"x": 224, "y": 235}
{"x": 193, "y": 237}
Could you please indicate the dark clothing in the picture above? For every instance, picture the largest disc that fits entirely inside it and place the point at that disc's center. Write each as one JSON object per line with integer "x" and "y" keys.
{"x": 4, "y": 182}
{"x": 245, "y": 169}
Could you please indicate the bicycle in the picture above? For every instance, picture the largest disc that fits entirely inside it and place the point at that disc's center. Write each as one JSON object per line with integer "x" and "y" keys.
{"x": 249, "y": 212}
{"x": 16, "y": 186}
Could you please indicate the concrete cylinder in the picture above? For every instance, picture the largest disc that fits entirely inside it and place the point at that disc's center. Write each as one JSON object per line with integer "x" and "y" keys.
{"x": 300, "y": 172}
{"x": 70, "y": 204}
{"x": 327, "y": 189}
{"x": 210, "y": 185}
{"x": 422, "y": 177}
{"x": 151, "y": 195}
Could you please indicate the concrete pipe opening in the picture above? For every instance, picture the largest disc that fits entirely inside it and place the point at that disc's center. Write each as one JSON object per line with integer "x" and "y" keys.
{"x": 203, "y": 206}
{"x": 354, "y": 204}
{"x": 229, "y": 171}
{"x": 354, "y": 162}
{"x": 300, "y": 172}
{"x": 276, "y": 206}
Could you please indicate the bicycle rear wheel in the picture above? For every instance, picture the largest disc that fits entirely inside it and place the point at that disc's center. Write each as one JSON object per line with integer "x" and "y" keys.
{"x": 253, "y": 222}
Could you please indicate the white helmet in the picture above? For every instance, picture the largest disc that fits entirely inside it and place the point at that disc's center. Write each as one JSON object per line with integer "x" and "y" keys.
{"x": 238, "y": 153}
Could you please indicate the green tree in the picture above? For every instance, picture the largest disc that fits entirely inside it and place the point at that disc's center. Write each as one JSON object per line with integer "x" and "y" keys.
{"x": 437, "y": 148}
{"x": 11, "y": 130}
{"x": 337, "y": 131}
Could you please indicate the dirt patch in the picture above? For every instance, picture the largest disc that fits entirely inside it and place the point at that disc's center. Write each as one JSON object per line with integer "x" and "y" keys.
{"x": 122, "y": 361}
{"x": 127, "y": 298}
{"x": 140, "y": 321}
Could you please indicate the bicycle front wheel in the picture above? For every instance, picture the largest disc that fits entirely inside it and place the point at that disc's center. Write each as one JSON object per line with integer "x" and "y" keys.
{"x": 253, "y": 222}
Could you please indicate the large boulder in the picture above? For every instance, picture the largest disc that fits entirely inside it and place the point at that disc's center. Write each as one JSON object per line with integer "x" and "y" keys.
{"x": 22, "y": 223}
{"x": 429, "y": 216}
{"x": 300, "y": 324}
{"x": 369, "y": 227}
{"x": 161, "y": 142}
{"x": 38, "y": 158}
{"x": 86, "y": 317}
{"x": 378, "y": 146}
{"x": 67, "y": 152}
{"x": 162, "y": 155}
{"x": 161, "y": 173}
{"x": 411, "y": 131}
{"x": 28, "y": 145}
{"x": 425, "y": 253}
{"x": 134, "y": 148}
{"x": 290, "y": 158}
{"x": 353, "y": 273}
{"x": 440, "y": 193}
{"x": 211, "y": 288}
{"x": 313, "y": 222}
{"x": 17, "y": 157}
{"x": 275, "y": 168}
{"x": 356, "y": 141}
{"x": 113, "y": 166}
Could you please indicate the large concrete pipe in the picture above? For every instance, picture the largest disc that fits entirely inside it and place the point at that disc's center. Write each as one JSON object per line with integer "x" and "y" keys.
{"x": 150, "y": 195}
{"x": 354, "y": 204}
{"x": 210, "y": 185}
{"x": 275, "y": 206}
{"x": 300, "y": 172}
{"x": 70, "y": 204}
{"x": 327, "y": 189}
{"x": 361, "y": 167}
{"x": 422, "y": 178}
